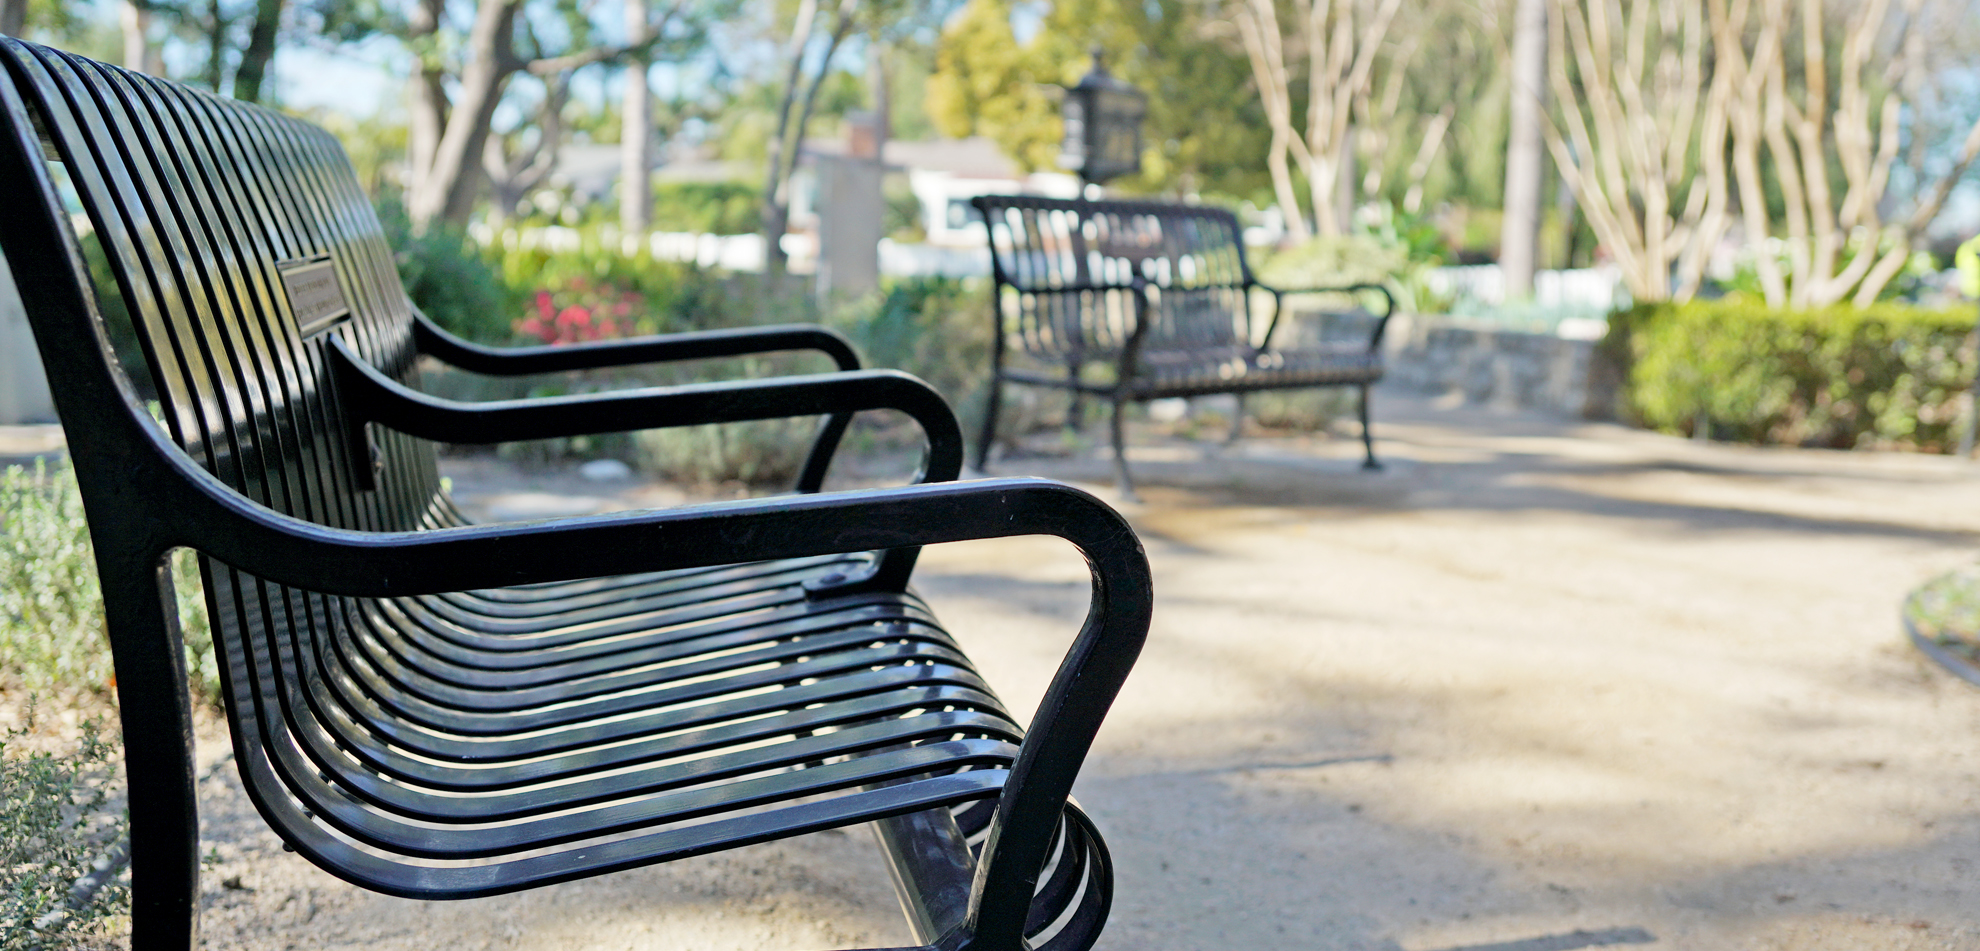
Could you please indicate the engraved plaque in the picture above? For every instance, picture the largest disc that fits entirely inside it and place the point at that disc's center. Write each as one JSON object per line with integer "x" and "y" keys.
{"x": 314, "y": 294}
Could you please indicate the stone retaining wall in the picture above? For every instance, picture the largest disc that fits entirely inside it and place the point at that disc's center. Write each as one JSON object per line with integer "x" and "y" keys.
{"x": 1503, "y": 369}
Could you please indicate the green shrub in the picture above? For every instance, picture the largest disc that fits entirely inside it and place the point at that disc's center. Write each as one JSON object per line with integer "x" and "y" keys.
{"x": 1888, "y": 375}
{"x": 452, "y": 282}
{"x": 1333, "y": 260}
{"x": 618, "y": 294}
{"x": 56, "y": 819}
{"x": 1388, "y": 247}
{"x": 708, "y": 207}
{"x": 765, "y": 452}
{"x": 937, "y": 328}
{"x": 1299, "y": 410}
{"x": 1947, "y": 609}
{"x": 51, "y": 607}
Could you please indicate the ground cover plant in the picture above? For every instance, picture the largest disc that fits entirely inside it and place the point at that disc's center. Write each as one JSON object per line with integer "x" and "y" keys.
{"x": 60, "y": 818}
{"x": 1889, "y": 375}
{"x": 51, "y": 611}
{"x": 60, "y": 825}
{"x": 1946, "y": 610}
{"x": 935, "y": 328}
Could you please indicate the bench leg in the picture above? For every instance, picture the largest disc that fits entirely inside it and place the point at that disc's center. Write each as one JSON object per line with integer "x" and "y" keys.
{"x": 990, "y": 408}
{"x": 158, "y": 756}
{"x": 1367, "y": 434}
{"x": 823, "y": 446}
{"x": 1121, "y": 476}
{"x": 1237, "y": 421}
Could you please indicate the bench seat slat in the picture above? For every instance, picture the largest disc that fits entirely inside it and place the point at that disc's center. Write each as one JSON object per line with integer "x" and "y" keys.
{"x": 617, "y": 646}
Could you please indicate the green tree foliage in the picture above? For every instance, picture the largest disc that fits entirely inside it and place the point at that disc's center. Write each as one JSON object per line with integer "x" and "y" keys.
{"x": 746, "y": 121}
{"x": 71, "y": 26}
{"x": 708, "y": 207}
{"x": 1202, "y": 134}
{"x": 1456, "y": 59}
{"x": 986, "y": 84}
{"x": 449, "y": 278}
{"x": 375, "y": 145}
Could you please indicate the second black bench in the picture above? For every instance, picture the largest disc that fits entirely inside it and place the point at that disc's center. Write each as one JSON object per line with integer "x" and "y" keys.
{"x": 1135, "y": 301}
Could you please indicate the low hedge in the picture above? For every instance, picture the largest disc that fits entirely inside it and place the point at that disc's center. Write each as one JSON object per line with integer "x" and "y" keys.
{"x": 1885, "y": 376}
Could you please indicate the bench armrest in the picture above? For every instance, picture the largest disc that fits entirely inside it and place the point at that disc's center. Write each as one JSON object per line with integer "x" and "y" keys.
{"x": 370, "y": 396}
{"x": 436, "y": 342}
{"x": 1279, "y": 296}
{"x": 660, "y": 348}
{"x": 235, "y": 530}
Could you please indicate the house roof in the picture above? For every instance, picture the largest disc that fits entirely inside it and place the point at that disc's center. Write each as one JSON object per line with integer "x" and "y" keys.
{"x": 592, "y": 169}
{"x": 974, "y": 157}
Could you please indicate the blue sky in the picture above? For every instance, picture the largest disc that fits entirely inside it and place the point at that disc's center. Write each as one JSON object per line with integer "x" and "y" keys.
{"x": 361, "y": 80}
{"x": 357, "y": 82}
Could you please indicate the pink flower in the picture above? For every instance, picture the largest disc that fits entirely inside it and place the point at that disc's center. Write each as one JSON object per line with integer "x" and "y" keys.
{"x": 538, "y": 328}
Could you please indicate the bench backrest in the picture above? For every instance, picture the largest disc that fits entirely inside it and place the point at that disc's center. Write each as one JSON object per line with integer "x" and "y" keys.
{"x": 239, "y": 240}
{"x": 1043, "y": 249}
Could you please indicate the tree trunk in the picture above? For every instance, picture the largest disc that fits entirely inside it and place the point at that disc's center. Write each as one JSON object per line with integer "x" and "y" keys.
{"x": 139, "y": 53}
{"x": 444, "y": 193}
{"x": 1342, "y": 210}
{"x": 1638, "y": 117}
{"x": 879, "y": 70}
{"x": 1519, "y": 233}
{"x": 260, "y": 51}
{"x": 776, "y": 206}
{"x": 1258, "y": 24}
{"x": 801, "y": 90}
{"x": 216, "y": 45}
{"x": 13, "y": 16}
{"x": 635, "y": 136}
{"x": 427, "y": 112}
{"x": 510, "y": 178}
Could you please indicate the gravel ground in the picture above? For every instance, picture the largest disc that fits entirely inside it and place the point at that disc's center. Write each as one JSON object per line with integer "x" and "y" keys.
{"x": 1540, "y": 685}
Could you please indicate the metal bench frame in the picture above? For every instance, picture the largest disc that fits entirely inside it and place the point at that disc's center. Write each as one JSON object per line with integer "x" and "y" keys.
{"x": 1157, "y": 299}
{"x": 431, "y": 708}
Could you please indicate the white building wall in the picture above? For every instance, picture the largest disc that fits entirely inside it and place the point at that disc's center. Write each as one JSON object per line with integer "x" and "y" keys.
{"x": 24, "y": 394}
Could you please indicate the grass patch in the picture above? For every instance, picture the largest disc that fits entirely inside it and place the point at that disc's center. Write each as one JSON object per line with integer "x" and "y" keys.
{"x": 52, "y": 634}
{"x": 1946, "y": 610}
{"x": 59, "y": 824}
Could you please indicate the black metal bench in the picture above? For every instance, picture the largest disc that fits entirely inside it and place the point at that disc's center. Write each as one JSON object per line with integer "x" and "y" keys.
{"x": 440, "y": 710}
{"x": 1135, "y": 301}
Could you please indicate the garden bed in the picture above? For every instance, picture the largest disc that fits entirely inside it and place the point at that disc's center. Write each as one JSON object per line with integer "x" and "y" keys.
{"x": 1942, "y": 617}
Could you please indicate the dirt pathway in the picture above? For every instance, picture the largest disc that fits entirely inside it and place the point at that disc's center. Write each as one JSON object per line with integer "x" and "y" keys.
{"x": 1539, "y": 686}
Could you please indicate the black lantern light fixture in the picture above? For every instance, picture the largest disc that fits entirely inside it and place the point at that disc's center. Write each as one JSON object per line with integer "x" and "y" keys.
{"x": 1102, "y": 117}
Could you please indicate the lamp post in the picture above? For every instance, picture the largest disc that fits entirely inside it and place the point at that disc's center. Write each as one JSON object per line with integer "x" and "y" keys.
{"x": 1102, "y": 117}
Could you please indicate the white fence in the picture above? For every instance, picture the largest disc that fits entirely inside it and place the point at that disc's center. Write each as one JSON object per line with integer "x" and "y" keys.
{"x": 928, "y": 260}
{"x": 1597, "y": 289}
{"x": 744, "y": 252}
